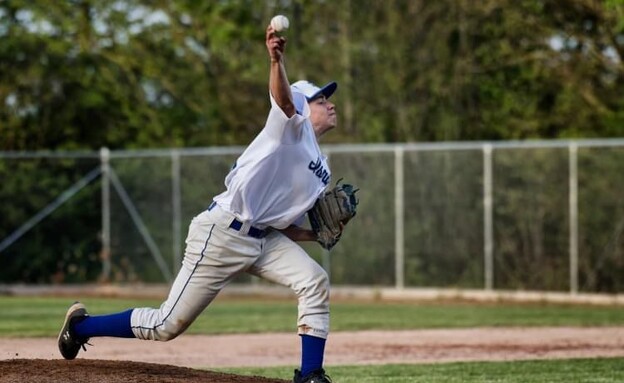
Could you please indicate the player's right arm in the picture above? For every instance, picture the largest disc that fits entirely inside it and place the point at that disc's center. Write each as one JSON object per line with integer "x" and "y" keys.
{"x": 278, "y": 80}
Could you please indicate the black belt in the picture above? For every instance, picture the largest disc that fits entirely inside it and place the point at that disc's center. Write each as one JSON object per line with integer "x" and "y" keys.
{"x": 237, "y": 225}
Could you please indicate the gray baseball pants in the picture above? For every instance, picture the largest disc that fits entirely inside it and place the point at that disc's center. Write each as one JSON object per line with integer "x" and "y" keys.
{"x": 214, "y": 254}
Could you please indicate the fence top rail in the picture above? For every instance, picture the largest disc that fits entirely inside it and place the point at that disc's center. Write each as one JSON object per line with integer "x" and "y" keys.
{"x": 330, "y": 148}
{"x": 473, "y": 145}
{"x": 186, "y": 152}
{"x": 48, "y": 154}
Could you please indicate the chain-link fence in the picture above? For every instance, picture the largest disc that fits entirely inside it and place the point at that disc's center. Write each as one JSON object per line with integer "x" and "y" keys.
{"x": 541, "y": 215}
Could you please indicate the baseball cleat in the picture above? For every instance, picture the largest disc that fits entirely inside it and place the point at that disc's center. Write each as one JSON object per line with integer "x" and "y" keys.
{"x": 68, "y": 343}
{"x": 316, "y": 376}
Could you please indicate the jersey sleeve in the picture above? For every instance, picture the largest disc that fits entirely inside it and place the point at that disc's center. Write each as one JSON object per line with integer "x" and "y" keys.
{"x": 284, "y": 129}
{"x": 300, "y": 222}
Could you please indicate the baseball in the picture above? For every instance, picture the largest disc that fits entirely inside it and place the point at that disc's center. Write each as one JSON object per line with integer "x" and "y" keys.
{"x": 280, "y": 23}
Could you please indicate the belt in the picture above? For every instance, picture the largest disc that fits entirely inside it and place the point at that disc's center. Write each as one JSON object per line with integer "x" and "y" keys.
{"x": 237, "y": 225}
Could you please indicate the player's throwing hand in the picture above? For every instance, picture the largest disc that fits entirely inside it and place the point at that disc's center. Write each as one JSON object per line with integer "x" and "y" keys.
{"x": 275, "y": 44}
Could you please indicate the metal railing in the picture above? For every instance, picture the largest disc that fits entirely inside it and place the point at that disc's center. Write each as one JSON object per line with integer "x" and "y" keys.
{"x": 527, "y": 215}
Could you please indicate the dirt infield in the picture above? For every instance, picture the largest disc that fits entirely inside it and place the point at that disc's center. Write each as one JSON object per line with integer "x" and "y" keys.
{"x": 129, "y": 360}
{"x": 106, "y": 371}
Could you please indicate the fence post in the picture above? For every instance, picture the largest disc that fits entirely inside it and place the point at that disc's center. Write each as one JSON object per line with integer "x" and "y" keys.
{"x": 573, "y": 149}
{"x": 399, "y": 218}
{"x": 325, "y": 255}
{"x": 488, "y": 218}
{"x": 176, "y": 203}
{"x": 105, "y": 253}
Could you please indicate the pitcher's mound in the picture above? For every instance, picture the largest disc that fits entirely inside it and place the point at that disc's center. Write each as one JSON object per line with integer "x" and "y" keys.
{"x": 106, "y": 371}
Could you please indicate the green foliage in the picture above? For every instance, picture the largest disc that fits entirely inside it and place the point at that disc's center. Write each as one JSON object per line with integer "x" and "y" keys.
{"x": 181, "y": 73}
{"x": 443, "y": 208}
{"x": 352, "y": 260}
{"x": 123, "y": 75}
{"x": 64, "y": 247}
{"x": 531, "y": 249}
{"x": 145, "y": 74}
{"x": 601, "y": 205}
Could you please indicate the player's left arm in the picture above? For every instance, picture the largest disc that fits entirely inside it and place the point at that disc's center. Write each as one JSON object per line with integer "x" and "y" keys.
{"x": 298, "y": 233}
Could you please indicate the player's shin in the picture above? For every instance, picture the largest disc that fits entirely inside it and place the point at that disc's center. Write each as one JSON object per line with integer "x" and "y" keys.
{"x": 114, "y": 325}
{"x": 312, "y": 352}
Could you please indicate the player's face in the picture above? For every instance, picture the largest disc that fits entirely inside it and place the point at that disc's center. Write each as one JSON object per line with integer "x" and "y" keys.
{"x": 322, "y": 115}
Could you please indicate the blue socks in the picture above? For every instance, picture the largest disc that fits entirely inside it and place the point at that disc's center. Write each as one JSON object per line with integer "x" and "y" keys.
{"x": 118, "y": 325}
{"x": 115, "y": 325}
{"x": 312, "y": 351}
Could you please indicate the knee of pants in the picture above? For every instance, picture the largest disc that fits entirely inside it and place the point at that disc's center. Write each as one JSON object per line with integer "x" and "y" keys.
{"x": 313, "y": 310}
{"x": 161, "y": 330}
{"x": 168, "y": 333}
{"x": 316, "y": 286}
{"x": 163, "y": 333}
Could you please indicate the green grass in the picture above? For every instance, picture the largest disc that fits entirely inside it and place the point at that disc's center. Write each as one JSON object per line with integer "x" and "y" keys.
{"x": 555, "y": 371}
{"x": 29, "y": 316}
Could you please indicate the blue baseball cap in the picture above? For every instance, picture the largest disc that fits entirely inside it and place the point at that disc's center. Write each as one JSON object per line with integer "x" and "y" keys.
{"x": 311, "y": 91}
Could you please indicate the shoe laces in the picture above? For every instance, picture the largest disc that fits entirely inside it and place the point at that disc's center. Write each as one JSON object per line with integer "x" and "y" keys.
{"x": 82, "y": 344}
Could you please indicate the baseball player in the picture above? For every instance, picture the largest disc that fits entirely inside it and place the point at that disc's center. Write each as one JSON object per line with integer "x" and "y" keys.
{"x": 251, "y": 227}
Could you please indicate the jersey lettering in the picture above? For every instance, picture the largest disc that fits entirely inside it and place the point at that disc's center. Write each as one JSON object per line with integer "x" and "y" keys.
{"x": 317, "y": 168}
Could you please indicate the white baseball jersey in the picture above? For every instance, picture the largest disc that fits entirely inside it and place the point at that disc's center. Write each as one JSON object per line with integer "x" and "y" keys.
{"x": 281, "y": 174}
{"x": 274, "y": 182}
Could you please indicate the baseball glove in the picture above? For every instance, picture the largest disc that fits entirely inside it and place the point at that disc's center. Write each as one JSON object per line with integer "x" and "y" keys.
{"x": 331, "y": 212}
